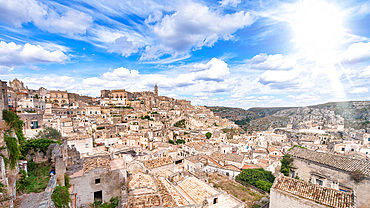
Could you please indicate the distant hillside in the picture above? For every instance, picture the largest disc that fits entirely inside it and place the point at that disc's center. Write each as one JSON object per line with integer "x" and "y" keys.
{"x": 356, "y": 114}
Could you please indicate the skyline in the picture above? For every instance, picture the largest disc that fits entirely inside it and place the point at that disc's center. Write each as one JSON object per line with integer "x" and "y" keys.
{"x": 226, "y": 53}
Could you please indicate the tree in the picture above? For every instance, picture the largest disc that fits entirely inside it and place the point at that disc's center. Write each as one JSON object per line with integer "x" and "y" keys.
{"x": 208, "y": 135}
{"x": 180, "y": 141}
{"x": 49, "y": 133}
{"x": 286, "y": 164}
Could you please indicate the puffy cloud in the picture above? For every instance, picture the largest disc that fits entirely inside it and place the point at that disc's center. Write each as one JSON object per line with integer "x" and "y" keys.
{"x": 18, "y": 12}
{"x": 274, "y": 62}
{"x": 123, "y": 46}
{"x": 359, "y": 90}
{"x": 12, "y": 54}
{"x": 51, "y": 82}
{"x": 120, "y": 73}
{"x": 194, "y": 25}
{"x": 356, "y": 52}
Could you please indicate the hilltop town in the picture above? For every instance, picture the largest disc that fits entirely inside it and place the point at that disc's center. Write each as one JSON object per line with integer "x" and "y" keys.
{"x": 141, "y": 149}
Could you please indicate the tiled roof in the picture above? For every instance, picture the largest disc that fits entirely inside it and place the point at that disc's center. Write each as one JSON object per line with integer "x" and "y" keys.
{"x": 319, "y": 194}
{"x": 234, "y": 157}
{"x": 93, "y": 163}
{"x": 196, "y": 189}
{"x": 332, "y": 160}
{"x": 154, "y": 163}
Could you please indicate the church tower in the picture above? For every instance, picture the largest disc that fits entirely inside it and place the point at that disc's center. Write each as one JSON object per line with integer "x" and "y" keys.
{"x": 156, "y": 90}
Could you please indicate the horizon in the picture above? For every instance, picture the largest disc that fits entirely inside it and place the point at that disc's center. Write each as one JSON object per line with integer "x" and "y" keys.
{"x": 226, "y": 53}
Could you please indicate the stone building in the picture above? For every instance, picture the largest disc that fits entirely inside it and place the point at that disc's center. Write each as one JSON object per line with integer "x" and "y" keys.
{"x": 100, "y": 179}
{"x": 58, "y": 98}
{"x": 333, "y": 171}
{"x": 288, "y": 192}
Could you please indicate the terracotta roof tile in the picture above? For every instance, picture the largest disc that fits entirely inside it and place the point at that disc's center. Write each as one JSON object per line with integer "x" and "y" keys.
{"x": 332, "y": 160}
{"x": 319, "y": 194}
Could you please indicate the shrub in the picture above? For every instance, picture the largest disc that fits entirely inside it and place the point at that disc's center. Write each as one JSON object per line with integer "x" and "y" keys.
{"x": 61, "y": 197}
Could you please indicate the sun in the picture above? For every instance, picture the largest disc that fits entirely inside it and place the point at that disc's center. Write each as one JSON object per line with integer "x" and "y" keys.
{"x": 317, "y": 27}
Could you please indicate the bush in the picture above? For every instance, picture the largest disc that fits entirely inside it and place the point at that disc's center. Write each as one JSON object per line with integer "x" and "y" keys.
{"x": 14, "y": 153}
{"x": 208, "y": 135}
{"x": 180, "y": 141}
{"x": 180, "y": 124}
{"x": 257, "y": 177}
{"x": 286, "y": 164}
{"x": 37, "y": 145}
{"x": 49, "y": 133}
{"x": 61, "y": 197}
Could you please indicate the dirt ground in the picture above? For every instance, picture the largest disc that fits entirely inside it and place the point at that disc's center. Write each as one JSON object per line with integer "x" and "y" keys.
{"x": 236, "y": 189}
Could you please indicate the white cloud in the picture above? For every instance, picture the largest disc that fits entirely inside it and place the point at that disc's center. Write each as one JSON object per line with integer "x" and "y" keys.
{"x": 194, "y": 25}
{"x": 18, "y": 12}
{"x": 278, "y": 76}
{"x": 51, "y": 82}
{"x": 356, "y": 52}
{"x": 274, "y": 62}
{"x": 12, "y": 54}
{"x": 120, "y": 73}
{"x": 359, "y": 90}
{"x": 123, "y": 46}
{"x": 233, "y": 3}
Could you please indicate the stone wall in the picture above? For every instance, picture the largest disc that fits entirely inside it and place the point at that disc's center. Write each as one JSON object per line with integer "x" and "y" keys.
{"x": 280, "y": 199}
{"x": 3, "y": 98}
{"x": 46, "y": 201}
{"x": 110, "y": 184}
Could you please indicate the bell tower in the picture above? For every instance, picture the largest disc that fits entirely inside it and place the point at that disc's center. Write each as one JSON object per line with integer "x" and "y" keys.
{"x": 156, "y": 90}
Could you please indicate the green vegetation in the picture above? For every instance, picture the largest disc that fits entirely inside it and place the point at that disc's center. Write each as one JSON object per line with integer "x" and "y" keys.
{"x": 180, "y": 141}
{"x": 14, "y": 153}
{"x": 208, "y": 135}
{"x": 13, "y": 120}
{"x": 171, "y": 141}
{"x": 257, "y": 177}
{"x": 37, "y": 145}
{"x": 180, "y": 124}
{"x": 146, "y": 117}
{"x": 100, "y": 127}
{"x": 296, "y": 146}
{"x": 113, "y": 202}
{"x": 61, "y": 197}
{"x": 49, "y": 133}
{"x": 37, "y": 180}
{"x": 286, "y": 164}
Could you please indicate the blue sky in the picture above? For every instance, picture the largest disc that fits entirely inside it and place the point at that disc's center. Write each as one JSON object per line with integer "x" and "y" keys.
{"x": 228, "y": 52}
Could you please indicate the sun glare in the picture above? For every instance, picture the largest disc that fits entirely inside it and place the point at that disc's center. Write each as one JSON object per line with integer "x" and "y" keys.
{"x": 317, "y": 27}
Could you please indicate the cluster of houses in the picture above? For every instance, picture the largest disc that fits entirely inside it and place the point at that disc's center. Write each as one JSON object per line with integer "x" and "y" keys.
{"x": 156, "y": 151}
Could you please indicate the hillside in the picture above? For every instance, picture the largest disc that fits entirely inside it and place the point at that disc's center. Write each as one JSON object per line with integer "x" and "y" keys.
{"x": 356, "y": 114}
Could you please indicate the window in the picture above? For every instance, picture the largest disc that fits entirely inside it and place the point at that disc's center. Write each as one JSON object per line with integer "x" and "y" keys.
{"x": 97, "y": 180}
{"x": 368, "y": 139}
{"x": 56, "y": 96}
{"x": 319, "y": 182}
{"x": 352, "y": 150}
{"x": 343, "y": 149}
{"x": 215, "y": 200}
{"x": 9, "y": 95}
{"x": 86, "y": 145}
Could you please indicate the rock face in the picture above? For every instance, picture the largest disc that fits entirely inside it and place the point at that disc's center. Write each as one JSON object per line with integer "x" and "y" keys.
{"x": 353, "y": 114}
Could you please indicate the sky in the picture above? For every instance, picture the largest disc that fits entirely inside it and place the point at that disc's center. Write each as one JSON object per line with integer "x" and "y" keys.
{"x": 236, "y": 53}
